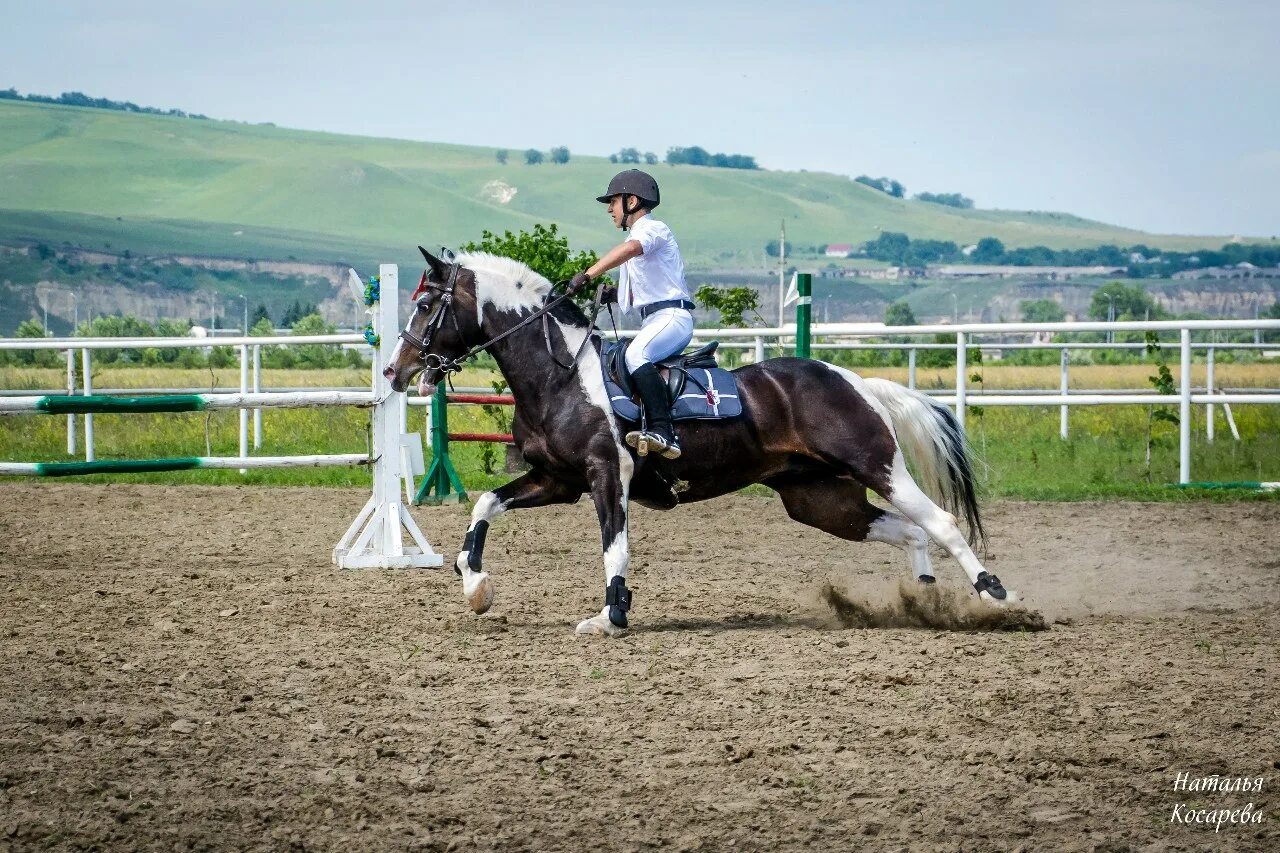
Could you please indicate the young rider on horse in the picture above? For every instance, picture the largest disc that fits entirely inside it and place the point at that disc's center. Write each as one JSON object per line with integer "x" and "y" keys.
{"x": 652, "y": 282}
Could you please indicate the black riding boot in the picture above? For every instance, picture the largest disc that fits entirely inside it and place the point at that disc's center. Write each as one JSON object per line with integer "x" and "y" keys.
{"x": 658, "y": 434}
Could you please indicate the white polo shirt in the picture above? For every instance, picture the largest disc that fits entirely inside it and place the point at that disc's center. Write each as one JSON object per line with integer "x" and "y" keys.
{"x": 658, "y": 274}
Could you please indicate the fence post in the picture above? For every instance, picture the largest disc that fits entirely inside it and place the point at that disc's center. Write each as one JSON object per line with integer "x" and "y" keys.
{"x": 759, "y": 349}
{"x": 71, "y": 389}
{"x": 257, "y": 389}
{"x": 87, "y": 367}
{"x": 441, "y": 482}
{"x": 911, "y": 368}
{"x": 1208, "y": 389}
{"x": 1062, "y": 417}
{"x": 804, "y": 310}
{"x": 244, "y": 413}
{"x": 961, "y": 367}
{"x": 1184, "y": 412}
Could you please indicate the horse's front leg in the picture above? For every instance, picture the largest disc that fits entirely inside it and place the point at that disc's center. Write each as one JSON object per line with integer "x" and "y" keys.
{"x": 535, "y": 488}
{"x": 610, "y": 482}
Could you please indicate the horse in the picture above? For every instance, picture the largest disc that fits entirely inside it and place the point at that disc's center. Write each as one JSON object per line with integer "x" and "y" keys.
{"x": 819, "y": 435}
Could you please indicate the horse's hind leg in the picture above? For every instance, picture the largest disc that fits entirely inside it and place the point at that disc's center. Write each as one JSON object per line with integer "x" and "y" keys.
{"x": 839, "y": 506}
{"x": 911, "y": 501}
{"x": 532, "y": 489}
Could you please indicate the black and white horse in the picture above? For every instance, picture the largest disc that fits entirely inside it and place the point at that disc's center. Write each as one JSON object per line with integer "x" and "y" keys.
{"x": 820, "y": 435}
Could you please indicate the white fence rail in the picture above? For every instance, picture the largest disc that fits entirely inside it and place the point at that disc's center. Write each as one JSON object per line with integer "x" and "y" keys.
{"x": 826, "y": 336}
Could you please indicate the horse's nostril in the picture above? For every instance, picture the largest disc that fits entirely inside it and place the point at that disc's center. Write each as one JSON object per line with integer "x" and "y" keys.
{"x": 389, "y": 372}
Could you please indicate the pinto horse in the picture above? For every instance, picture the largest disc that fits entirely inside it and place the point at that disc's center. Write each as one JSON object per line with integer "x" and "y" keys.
{"x": 819, "y": 435}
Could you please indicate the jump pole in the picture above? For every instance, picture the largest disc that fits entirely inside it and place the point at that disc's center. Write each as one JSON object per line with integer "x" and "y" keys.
{"x": 804, "y": 312}
{"x": 375, "y": 540}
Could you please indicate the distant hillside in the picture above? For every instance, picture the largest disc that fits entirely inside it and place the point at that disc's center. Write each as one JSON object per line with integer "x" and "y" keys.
{"x": 164, "y": 185}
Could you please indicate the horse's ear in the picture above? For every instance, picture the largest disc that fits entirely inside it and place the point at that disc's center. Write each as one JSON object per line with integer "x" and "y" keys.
{"x": 439, "y": 267}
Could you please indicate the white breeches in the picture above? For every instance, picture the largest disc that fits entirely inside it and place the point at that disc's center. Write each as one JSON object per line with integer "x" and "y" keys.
{"x": 663, "y": 334}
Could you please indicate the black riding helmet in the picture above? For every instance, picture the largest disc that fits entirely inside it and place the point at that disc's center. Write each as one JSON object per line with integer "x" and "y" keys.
{"x": 632, "y": 182}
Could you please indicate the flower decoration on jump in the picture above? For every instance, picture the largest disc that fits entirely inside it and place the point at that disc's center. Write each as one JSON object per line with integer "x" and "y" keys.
{"x": 372, "y": 291}
{"x": 370, "y": 336}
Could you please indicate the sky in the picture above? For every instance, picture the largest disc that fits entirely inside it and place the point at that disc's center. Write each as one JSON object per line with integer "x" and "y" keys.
{"x": 1163, "y": 116}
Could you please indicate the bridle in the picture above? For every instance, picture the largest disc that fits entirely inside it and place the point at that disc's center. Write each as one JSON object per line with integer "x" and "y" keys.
{"x": 435, "y": 361}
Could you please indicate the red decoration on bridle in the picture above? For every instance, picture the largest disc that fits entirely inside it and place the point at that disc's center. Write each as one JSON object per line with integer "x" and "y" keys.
{"x": 422, "y": 287}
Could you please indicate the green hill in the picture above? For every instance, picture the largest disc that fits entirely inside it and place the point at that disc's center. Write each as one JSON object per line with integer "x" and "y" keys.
{"x": 161, "y": 185}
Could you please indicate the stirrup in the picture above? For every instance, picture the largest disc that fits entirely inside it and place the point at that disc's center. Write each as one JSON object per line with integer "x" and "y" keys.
{"x": 647, "y": 441}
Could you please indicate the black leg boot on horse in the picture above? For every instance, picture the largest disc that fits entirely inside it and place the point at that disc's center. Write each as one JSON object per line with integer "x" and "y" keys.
{"x": 656, "y": 434}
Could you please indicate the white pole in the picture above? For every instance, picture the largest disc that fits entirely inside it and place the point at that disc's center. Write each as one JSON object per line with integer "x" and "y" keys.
{"x": 911, "y": 368}
{"x": 86, "y": 366}
{"x": 71, "y": 389}
{"x": 244, "y": 413}
{"x": 1062, "y": 415}
{"x": 257, "y": 389}
{"x": 961, "y": 388}
{"x": 759, "y": 349}
{"x": 1208, "y": 389}
{"x": 1184, "y": 412}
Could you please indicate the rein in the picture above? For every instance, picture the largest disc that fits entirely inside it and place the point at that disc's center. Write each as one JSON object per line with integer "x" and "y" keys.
{"x": 454, "y": 365}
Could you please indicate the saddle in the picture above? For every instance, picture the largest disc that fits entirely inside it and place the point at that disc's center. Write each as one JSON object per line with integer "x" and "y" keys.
{"x": 696, "y": 386}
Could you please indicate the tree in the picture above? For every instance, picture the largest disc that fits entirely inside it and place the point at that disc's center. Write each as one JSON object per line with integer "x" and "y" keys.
{"x": 628, "y": 155}
{"x": 989, "y": 251}
{"x": 501, "y": 156}
{"x": 1129, "y": 303}
{"x": 543, "y": 250}
{"x": 560, "y": 155}
{"x": 1042, "y": 311}
{"x": 650, "y": 158}
{"x": 613, "y": 158}
{"x": 885, "y": 185}
{"x": 773, "y": 248}
{"x": 259, "y": 314}
{"x": 316, "y": 355}
{"x": 39, "y": 358}
{"x": 899, "y": 314}
{"x": 731, "y": 302}
{"x": 891, "y": 246}
{"x": 532, "y": 157}
{"x": 949, "y": 199}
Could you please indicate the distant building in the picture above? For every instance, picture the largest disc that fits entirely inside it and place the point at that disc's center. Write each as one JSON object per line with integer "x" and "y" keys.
{"x": 839, "y": 250}
{"x": 1244, "y": 269}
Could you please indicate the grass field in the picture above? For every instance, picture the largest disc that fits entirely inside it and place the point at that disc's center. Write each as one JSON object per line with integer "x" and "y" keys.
{"x": 1019, "y": 448}
{"x": 157, "y": 184}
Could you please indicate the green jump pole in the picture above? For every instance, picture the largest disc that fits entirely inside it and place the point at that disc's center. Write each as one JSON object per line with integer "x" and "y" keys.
{"x": 442, "y": 482}
{"x": 804, "y": 311}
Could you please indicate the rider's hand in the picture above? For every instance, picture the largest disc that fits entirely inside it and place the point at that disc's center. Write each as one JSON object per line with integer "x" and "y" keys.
{"x": 578, "y": 282}
{"x": 608, "y": 294}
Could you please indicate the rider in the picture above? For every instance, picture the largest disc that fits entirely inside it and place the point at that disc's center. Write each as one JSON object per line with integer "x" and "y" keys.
{"x": 652, "y": 282}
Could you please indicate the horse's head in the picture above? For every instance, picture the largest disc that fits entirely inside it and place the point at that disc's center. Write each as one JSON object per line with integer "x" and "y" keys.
{"x": 444, "y": 324}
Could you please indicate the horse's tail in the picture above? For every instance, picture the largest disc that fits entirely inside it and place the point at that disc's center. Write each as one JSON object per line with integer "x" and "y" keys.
{"x": 931, "y": 438}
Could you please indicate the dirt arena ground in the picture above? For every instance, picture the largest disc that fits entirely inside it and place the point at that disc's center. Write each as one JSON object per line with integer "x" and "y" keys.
{"x": 182, "y": 668}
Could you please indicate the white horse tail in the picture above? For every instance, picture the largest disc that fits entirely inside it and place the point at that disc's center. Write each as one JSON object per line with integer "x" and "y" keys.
{"x": 931, "y": 438}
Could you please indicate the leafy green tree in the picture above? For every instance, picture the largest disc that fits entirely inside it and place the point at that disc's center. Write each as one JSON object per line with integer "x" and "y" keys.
{"x": 650, "y": 158}
{"x": 501, "y": 156}
{"x": 732, "y": 303}
{"x": 628, "y": 155}
{"x": 1130, "y": 302}
{"x": 891, "y": 246}
{"x": 532, "y": 157}
{"x": 560, "y": 155}
{"x": 259, "y": 314}
{"x": 316, "y": 355}
{"x": 948, "y": 199}
{"x": 1042, "y": 311}
{"x": 899, "y": 314}
{"x": 989, "y": 251}
{"x": 34, "y": 358}
{"x": 1272, "y": 312}
{"x": 543, "y": 250}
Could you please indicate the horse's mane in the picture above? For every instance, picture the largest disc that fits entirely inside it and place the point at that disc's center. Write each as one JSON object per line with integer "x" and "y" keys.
{"x": 510, "y": 285}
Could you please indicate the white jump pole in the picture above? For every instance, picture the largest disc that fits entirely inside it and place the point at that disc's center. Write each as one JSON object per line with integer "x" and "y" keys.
{"x": 1208, "y": 389}
{"x": 244, "y": 413}
{"x": 375, "y": 540}
{"x": 1062, "y": 417}
{"x": 961, "y": 379}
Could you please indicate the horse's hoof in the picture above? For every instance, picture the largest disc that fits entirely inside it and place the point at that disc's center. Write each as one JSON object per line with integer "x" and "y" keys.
{"x": 988, "y": 587}
{"x": 1010, "y": 597}
{"x": 479, "y": 591}
{"x": 599, "y": 626}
